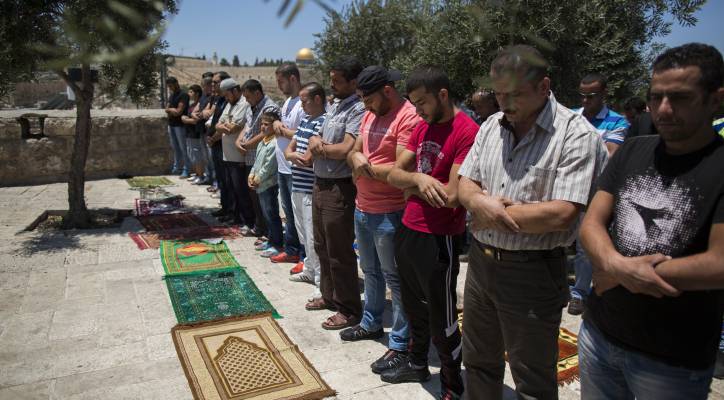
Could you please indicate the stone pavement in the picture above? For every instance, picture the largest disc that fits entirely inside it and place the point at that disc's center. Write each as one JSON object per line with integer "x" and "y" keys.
{"x": 86, "y": 315}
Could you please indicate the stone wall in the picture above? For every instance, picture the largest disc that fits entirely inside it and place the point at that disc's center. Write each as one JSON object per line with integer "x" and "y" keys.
{"x": 122, "y": 141}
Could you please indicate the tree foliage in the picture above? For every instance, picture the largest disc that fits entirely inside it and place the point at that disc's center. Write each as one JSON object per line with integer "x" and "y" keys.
{"x": 224, "y": 62}
{"x": 375, "y": 31}
{"x": 616, "y": 38}
{"x": 120, "y": 39}
{"x": 235, "y": 61}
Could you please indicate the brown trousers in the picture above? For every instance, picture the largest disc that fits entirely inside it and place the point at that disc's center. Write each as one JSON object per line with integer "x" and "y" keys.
{"x": 333, "y": 219}
{"x": 513, "y": 307}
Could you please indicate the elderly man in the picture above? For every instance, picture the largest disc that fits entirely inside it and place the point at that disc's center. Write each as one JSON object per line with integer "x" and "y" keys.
{"x": 231, "y": 123}
{"x": 525, "y": 182}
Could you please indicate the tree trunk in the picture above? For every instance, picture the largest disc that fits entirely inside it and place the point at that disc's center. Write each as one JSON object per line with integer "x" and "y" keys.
{"x": 78, "y": 216}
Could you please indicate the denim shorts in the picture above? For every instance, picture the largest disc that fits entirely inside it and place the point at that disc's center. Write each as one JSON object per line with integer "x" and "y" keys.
{"x": 196, "y": 150}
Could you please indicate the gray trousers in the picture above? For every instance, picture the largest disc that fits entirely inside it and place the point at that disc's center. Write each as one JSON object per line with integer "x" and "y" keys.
{"x": 512, "y": 306}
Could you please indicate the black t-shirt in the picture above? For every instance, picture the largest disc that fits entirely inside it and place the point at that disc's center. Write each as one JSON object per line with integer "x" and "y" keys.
{"x": 176, "y": 98}
{"x": 663, "y": 204}
{"x": 642, "y": 126}
{"x": 197, "y": 130}
{"x": 220, "y": 104}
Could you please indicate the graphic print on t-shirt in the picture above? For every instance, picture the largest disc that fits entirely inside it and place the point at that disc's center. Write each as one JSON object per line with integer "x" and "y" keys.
{"x": 427, "y": 154}
{"x": 375, "y": 136}
{"x": 654, "y": 214}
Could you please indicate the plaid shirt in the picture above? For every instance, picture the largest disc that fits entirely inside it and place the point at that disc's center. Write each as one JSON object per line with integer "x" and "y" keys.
{"x": 559, "y": 159}
{"x": 254, "y": 123}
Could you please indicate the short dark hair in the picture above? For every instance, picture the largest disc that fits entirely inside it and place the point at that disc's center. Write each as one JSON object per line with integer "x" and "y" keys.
{"x": 223, "y": 75}
{"x": 635, "y": 104}
{"x": 349, "y": 66}
{"x": 206, "y": 80}
{"x": 288, "y": 69}
{"x": 595, "y": 77}
{"x": 521, "y": 58}
{"x": 430, "y": 77}
{"x": 314, "y": 89}
{"x": 707, "y": 58}
{"x": 196, "y": 89}
{"x": 252, "y": 85}
{"x": 270, "y": 115}
{"x": 207, "y": 74}
{"x": 172, "y": 80}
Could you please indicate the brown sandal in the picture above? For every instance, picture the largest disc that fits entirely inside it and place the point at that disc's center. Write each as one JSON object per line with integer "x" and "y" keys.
{"x": 338, "y": 321}
{"x": 316, "y": 304}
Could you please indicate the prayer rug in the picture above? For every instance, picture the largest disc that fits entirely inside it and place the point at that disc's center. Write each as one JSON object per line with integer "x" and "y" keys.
{"x": 184, "y": 257}
{"x": 152, "y": 240}
{"x": 160, "y": 206}
{"x": 214, "y": 295}
{"x": 246, "y": 358}
{"x": 148, "y": 181}
{"x": 167, "y": 222}
{"x": 567, "y": 354}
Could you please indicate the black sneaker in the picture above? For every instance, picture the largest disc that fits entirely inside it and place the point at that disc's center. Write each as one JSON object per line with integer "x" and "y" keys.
{"x": 218, "y": 213}
{"x": 357, "y": 332}
{"x": 447, "y": 394}
{"x": 404, "y": 372}
{"x": 575, "y": 306}
{"x": 391, "y": 359}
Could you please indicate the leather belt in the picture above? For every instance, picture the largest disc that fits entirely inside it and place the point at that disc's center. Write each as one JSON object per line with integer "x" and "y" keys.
{"x": 520, "y": 255}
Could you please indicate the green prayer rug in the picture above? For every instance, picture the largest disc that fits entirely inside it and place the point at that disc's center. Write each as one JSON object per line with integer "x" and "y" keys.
{"x": 190, "y": 257}
{"x": 216, "y": 295}
{"x": 148, "y": 181}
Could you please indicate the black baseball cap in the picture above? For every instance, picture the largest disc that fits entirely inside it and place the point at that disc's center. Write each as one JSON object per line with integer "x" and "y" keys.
{"x": 374, "y": 77}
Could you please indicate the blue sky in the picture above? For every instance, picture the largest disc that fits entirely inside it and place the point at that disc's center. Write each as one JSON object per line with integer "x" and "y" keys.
{"x": 250, "y": 28}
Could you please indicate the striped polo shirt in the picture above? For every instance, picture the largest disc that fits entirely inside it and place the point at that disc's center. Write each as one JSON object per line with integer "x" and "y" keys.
{"x": 303, "y": 177}
{"x": 559, "y": 159}
{"x": 611, "y": 125}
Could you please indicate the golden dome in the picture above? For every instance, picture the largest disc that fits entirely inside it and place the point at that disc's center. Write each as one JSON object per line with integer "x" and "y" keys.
{"x": 305, "y": 54}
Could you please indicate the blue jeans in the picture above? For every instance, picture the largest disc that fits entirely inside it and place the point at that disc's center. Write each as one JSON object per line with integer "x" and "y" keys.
{"x": 375, "y": 240}
{"x": 269, "y": 204}
{"x": 611, "y": 372}
{"x": 584, "y": 273}
{"x": 177, "y": 137}
{"x": 291, "y": 239}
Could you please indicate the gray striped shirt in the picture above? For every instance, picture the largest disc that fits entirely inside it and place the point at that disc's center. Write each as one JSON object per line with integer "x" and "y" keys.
{"x": 559, "y": 159}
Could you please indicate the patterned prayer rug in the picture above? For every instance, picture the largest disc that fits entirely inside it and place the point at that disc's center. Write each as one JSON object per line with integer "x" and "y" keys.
{"x": 160, "y": 206}
{"x": 148, "y": 181}
{"x": 152, "y": 240}
{"x": 214, "y": 295}
{"x": 166, "y": 222}
{"x": 567, "y": 354}
{"x": 185, "y": 257}
{"x": 246, "y": 358}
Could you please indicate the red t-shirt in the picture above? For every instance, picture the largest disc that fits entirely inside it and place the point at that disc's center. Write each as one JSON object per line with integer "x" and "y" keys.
{"x": 437, "y": 147}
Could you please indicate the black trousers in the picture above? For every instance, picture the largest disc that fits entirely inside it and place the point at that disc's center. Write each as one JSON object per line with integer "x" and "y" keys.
{"x": 222, "y": 179}
{"x": 513, "y": 307}
{"x": 243, "y": 211}
{"x": 259, "y": 223}
{"x": 428, "y": 266}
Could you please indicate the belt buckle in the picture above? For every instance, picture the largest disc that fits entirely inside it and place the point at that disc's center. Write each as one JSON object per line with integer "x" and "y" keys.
{"x": 489, "y": 252}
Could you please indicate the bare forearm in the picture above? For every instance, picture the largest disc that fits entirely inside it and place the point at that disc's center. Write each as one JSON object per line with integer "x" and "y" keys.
{"x": 548, "y": 216}
{"x": 598, "y": 245}
{"x": 401, "y": 179}
{"x": 338, "y": 151}
{"x": 382, "y": 172}
{"x": 286, "y": 132}
{"x": 703, "y": 271}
